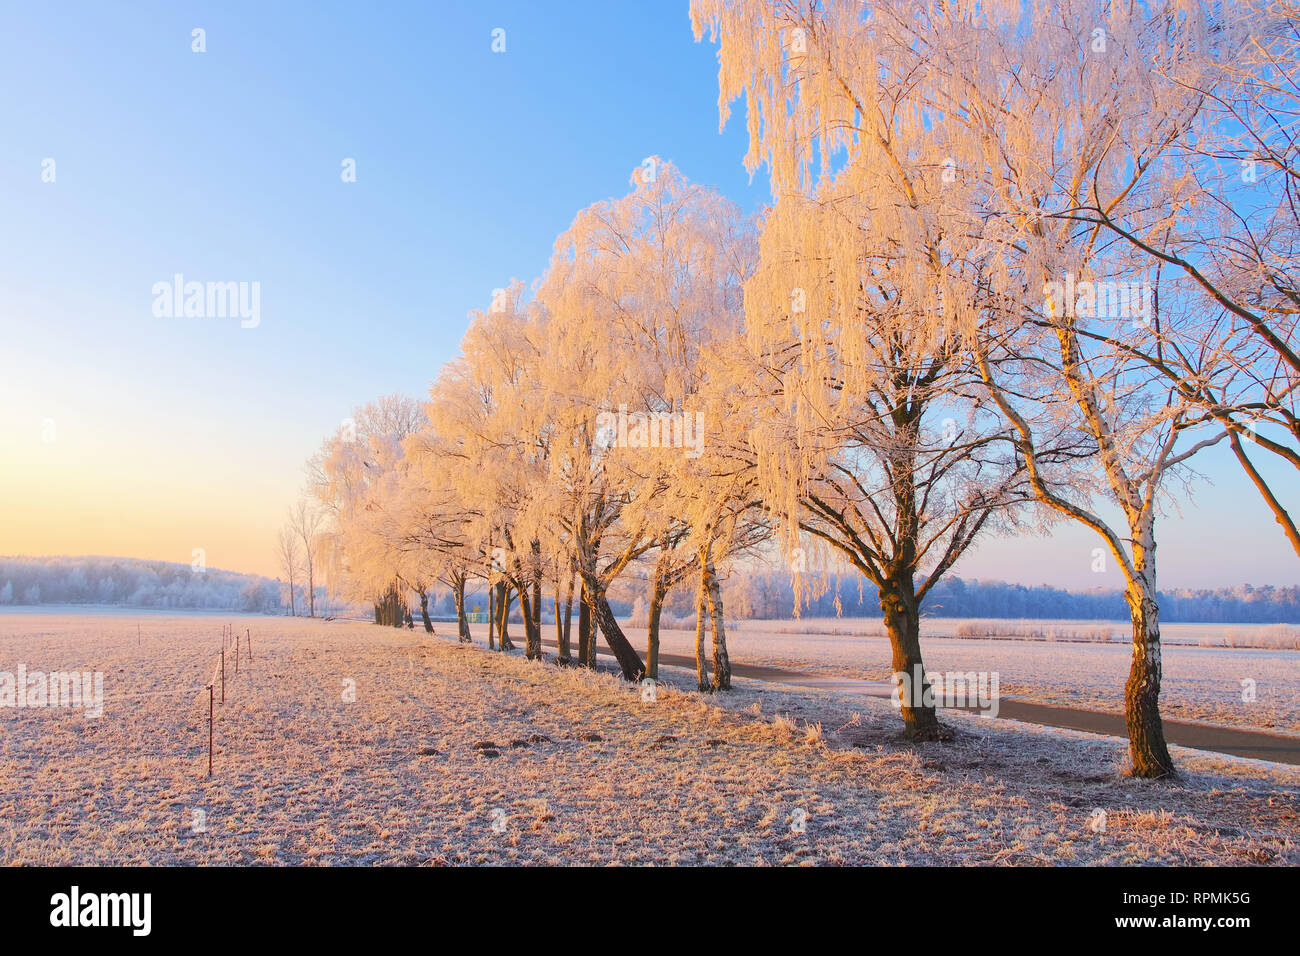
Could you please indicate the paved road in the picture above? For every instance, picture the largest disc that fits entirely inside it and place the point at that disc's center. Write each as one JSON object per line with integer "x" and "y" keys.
{"x": 1258, "y": 745}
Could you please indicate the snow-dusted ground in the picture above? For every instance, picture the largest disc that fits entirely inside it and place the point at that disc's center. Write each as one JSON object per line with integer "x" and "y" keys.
{"x": 582, "y": 771}
{"x": 1200, "y": 683}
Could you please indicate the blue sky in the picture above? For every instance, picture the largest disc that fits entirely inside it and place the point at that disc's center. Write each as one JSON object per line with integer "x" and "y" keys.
{"x": 178, "y": 433}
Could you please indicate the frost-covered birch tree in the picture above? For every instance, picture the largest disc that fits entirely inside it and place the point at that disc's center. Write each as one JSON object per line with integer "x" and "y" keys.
{"x": 1044, "y": 123}
{"x": 1213, "y": 207}
{"x": 353, "y": 477}
{"x": 857, "y": 320}
{"x": 636, "y": 288}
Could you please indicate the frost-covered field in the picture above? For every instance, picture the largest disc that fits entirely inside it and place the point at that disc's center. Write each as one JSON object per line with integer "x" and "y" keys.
{"x": 581, "y": 769}
{"x": 1200, "y": 683}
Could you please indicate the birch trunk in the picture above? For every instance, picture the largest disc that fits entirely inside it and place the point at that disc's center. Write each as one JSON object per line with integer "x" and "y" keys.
{"x": 586, "y": 640}
{"x": 701, "y": 592}
{"x": 657, "y": 594}
{"x": 1146, "y": 733}
{"x": 561, "y": 637}
{"x": 721, "y": 662}
{"x": 530, "y": 605}
{"x": 533, "y": 613}
{"x": 568, "y": 616}
{"x": 503, "y": 616}
{"x": 462, "y": 624}
{"x": 424, "y": 612}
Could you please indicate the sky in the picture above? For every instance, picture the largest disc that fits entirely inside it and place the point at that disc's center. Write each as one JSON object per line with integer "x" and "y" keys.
{"x": 126, "y": 432}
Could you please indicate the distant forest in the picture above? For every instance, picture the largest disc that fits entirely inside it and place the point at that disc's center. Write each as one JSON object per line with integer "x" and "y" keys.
{"x": 132, "y": 582}
{"x": 766, "y": 595}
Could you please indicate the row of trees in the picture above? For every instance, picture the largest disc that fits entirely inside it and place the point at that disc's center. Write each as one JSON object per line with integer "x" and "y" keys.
{"x": 534, "y": 466}
{"x": 750, "y": 593}
{"x": 1023, "y": 260}
{"x": 1068, "y": 226}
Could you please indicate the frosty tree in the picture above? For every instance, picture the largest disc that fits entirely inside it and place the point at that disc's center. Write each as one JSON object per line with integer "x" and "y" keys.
{"x": 1042, "y": 124}
{"x": 1213, "y": 208}
{"x": 637, "y": 287}
{"x": 858, "y": 316}
{"x": 1014, "y": 265}
{"x": 354, "y": 477}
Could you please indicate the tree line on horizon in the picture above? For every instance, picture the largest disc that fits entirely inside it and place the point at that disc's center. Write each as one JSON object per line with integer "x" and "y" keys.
{"x": 133, "y": 582}
{"x": 749, "y": 594}
{"x": 769, "y": 595}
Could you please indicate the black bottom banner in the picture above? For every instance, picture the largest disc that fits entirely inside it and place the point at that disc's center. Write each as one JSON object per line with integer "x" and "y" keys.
{"x": 269, "y": 905}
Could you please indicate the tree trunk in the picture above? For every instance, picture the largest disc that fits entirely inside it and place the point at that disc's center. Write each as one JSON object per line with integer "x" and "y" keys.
{"x": 903, "y": 624}
{"x": 561, "y": 633}
{"x": 503, "y": 616}
{"x": 462, "y": 624}
{"x": 565, "y": 645}
{"x": 1146, "y": 732}
{"x": 701, "y": 673}
{"x": 657, "y": 594}
{"x": 389, "y": 611}
{"x": 721, "y": 662}
{"x": 629, "y": 661}
{"x": 586, "y": 640}
{"x": 595, "y": 639}
{"x": 492, "y": 617}
{"x": 533, "y": 633}
{"x": 424, "y": 612}
{"x": 531, "y": 605}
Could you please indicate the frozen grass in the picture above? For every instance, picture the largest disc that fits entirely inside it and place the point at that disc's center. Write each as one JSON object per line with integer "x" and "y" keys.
{"x": 1269, "y": 636}
{"x": 1273, "y": 636}
{"x": 457, "y": 755}
{"x": 1034, "y": 632}
{"x": 1284, "y": 636}
{"x": 1199, "y": 683}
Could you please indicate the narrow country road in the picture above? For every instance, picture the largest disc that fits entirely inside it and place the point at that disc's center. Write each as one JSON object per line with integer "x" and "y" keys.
{"x": 1255, "y": 744}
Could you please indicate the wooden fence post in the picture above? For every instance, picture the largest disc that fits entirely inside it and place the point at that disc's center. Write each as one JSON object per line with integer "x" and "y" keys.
{"x": 209, "y": 730}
